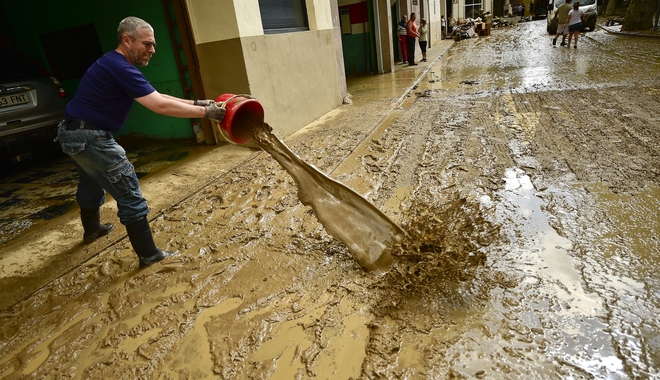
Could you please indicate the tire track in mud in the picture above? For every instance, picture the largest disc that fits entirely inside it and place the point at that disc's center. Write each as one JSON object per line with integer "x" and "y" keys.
{"x": 623, "y": 154}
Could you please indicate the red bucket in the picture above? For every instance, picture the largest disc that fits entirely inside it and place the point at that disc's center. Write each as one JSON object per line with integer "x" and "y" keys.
{"x": 243, "y": 113}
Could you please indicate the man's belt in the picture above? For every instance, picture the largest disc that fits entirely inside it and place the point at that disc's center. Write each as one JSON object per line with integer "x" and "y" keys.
{"x": 79, "y": 124}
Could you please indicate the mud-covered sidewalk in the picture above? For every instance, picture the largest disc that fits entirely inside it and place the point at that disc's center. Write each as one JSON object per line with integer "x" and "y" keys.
{"x": 526, "y": 176}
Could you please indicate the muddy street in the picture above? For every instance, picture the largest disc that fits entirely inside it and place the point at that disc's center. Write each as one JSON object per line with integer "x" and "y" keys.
{"x": 526, "y": 177}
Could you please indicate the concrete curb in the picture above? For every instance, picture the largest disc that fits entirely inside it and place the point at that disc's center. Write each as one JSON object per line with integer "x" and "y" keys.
{"x": 629, "y": 34}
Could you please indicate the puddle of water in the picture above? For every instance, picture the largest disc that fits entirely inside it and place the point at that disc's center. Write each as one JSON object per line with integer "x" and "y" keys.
{"x": 543, "y": 254}
{"x": 344, "y": 354}
{"x": 341, "y": 352}
{"x": 42, "y": 351}
{"x": 401, "y": 196}
{"x": 195, "y": 343}
{"x": 547, "y": 256}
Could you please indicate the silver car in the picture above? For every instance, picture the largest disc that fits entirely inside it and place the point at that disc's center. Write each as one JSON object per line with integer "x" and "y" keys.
{"x": 32, "y": 103}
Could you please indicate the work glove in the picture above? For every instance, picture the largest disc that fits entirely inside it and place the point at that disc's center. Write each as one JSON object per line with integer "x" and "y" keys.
{"x": 203, "y": 102}
{"x": 215, "y": 113}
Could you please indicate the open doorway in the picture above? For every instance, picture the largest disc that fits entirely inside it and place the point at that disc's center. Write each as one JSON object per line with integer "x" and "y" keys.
{"x": 396, "y": 17}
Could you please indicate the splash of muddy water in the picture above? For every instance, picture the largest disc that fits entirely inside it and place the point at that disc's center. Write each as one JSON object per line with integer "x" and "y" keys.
{"x": 367, "y": 232}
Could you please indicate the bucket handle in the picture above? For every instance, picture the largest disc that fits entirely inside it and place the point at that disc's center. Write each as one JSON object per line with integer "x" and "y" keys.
{"x": 224, "y": 104}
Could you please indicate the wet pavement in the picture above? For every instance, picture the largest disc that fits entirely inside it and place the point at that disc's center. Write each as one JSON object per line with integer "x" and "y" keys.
{"x": 526, "y": 176}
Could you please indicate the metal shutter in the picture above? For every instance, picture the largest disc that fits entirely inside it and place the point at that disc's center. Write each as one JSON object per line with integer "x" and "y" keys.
{"x": 281, "y": 16}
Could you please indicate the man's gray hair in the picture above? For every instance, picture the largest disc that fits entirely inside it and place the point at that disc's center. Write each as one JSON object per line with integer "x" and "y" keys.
{"x": 130, "y": 26}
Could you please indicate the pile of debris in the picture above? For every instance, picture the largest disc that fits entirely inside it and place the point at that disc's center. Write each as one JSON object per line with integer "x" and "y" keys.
{"x": 614, "y": 21}
{"x": 469, "y": 28}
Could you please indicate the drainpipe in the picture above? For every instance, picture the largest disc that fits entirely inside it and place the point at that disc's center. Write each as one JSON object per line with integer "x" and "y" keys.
{"x": 379, "y": 48}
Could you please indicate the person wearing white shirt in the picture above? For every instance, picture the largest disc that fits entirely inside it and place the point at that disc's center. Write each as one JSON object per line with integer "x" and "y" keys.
{"x": 574, "y": 21}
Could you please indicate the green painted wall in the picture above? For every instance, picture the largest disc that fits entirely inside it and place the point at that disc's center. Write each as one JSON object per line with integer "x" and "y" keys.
{"x": 356, "y": 49}
{"x": 27, "y": 20}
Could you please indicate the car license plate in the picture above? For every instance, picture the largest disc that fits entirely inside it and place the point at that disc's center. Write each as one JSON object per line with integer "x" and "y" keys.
{"x": 15, "y": 99}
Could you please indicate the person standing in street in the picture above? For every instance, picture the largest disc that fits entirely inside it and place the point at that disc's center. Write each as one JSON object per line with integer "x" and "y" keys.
{"x": 423, "y": 37}
{"x": 561, "y": 15}
{"x": 104, "y": 98}
{"x": 412, "y": 35}
{"x": 401, "y": 31}
{"x": 443, "y": 23}
{"x": 575, "y": 17}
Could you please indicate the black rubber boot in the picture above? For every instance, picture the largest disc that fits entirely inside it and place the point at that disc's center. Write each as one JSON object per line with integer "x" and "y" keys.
{"x": 139, "y": 233}
{"x": 91, "y": 221}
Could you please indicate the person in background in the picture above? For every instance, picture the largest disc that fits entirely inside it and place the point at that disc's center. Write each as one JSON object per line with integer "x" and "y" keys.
{"x": 561, "y": 16}
{"x": 575, "y": 17}
{"x": 443, "y": 24}
{"x": 401, "y": 31}
{"x": 412, "y": 35}
{"x": 104, "y": 98}
{"x": 451, "y": 21}
{"x": 481, "y": 14}
{"x": 423, "y": 37}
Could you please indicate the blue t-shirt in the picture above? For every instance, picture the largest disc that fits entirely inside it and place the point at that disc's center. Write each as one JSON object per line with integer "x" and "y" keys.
{"x": 107, "y": 91}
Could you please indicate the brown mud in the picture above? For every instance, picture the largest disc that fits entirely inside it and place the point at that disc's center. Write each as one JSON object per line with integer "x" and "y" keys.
{"x": 367, "y": 233}
{"x": 527, "y": 178}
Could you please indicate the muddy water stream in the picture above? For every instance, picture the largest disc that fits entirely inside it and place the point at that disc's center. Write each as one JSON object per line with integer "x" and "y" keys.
{"x": 367, "y": 232}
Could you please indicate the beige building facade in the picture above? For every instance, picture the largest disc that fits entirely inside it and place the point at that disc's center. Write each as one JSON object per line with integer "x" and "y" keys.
{"x": 295, "y": 75}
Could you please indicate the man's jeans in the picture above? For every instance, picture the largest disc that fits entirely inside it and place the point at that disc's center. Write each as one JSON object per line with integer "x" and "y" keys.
{"x": 411, "y": 49}
{"x": 102, "y": 166}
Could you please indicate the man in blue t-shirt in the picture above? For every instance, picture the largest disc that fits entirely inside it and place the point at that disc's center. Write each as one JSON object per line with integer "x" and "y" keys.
{"x": 99, "y": 108}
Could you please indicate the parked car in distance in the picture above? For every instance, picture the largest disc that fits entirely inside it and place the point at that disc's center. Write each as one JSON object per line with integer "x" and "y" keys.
{"x": 32, "y": 103}
{"x": 589, "y": 7}
{"x": 539, "y": 10}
